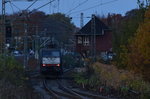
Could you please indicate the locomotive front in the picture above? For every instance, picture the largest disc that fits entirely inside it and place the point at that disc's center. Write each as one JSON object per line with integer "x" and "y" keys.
{"x": 50, "y": 61}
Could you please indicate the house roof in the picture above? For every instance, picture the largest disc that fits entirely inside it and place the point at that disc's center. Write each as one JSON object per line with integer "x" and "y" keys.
{"x": 99, "y": 27}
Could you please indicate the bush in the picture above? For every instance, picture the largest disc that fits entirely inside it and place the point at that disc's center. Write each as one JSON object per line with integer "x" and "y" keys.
{"x": 109, "y": 75}
{"x": 113, "y": 81}
{"x": 70, "y": 60}
{"x": 90, "y": 82}
{"x": 11, "y": 70}
{"x": 80, "y": 79}
{"x": 12, "y": 80}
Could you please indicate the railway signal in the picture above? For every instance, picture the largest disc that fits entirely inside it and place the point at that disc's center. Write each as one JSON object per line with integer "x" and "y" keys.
{"x": 8, "y": 33}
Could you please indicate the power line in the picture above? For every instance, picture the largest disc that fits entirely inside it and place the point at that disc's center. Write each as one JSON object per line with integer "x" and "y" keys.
{"x": 50, "y": 6}
{"x": 77, "y": 6}
{"x": 74, "y": 2}
{"x": 45, "y": 4}
{"x": 31, "y": 4}
{"x": 95, "y": 6}
{"x": 15, "y": 6}
{"x": 58, "y": 5}
{"x": 40, "y": 7}
{"x": 11, "y": 7}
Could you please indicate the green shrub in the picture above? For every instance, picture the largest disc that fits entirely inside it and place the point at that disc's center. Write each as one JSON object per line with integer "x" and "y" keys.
{"x": 80, "y": 79}
{"x": 69, "y": 60}
{"x": 111, "y": 76}
{"x": 91, "y": 81}
{"x": 120, "y": 80}
{"x": 12, "y": 81}
{"x": 142, "y": 87}
{"x": 11, "y": 70}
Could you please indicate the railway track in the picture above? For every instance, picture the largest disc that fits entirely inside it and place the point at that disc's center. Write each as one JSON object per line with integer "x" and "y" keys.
{"x": 60, "y": 92}
{"x": 50, "y": 91}
{"x": 60, "y": 88}
{"x": 80, "y": 94}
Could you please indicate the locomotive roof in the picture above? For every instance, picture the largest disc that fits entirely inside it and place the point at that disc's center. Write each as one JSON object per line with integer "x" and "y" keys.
{"x": 48, "y": 49}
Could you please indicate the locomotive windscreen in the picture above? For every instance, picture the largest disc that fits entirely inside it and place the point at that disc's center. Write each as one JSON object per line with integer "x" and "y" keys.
{"x": 50, "y": 60}
{"x": 51, "y": 53}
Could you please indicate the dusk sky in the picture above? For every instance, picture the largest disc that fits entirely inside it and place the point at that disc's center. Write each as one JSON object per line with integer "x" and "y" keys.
{"x": 73, "y": 8}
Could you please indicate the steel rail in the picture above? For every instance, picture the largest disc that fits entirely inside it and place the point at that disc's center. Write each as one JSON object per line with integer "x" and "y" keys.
{"x": 67, "y": 90}
{"x": 55, "y": 96}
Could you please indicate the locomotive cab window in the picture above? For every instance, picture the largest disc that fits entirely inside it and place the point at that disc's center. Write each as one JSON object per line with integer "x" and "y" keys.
{"x": 48, "y": 53}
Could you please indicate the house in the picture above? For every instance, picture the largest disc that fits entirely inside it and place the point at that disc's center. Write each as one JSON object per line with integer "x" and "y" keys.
{"x": 94, "y": 38}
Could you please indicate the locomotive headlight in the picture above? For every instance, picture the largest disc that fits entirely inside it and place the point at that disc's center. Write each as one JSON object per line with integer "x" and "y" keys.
{"x": 58, "y": 64}
{"x": 44, "y": 64}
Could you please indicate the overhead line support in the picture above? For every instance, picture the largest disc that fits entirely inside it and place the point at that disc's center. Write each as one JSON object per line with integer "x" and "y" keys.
{"x": 3, "y": 27}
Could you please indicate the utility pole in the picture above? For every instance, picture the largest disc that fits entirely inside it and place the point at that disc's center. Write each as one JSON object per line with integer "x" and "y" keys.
{"x": 3, "y": 28}
{"x": 25, "y": 46}
{"x": 81, "y": 21}
{"x": 93, "y": 37}
{"x": 36, "y": 43}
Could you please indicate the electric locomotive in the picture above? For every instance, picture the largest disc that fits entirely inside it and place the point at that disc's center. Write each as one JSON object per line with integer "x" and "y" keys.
{"x": 50, "y": 61}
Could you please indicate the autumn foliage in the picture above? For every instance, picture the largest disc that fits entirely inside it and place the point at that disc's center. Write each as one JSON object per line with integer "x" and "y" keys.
{"x": 138, "y": 57}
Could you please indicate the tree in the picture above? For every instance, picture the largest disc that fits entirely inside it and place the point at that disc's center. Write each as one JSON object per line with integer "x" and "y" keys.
{"x": 143, "y": 3}
{"x": 139, "y": 49}
{"x": 56, "y": 25}
{"x": 60, "y": 27}
{"x": 124, "y": 33}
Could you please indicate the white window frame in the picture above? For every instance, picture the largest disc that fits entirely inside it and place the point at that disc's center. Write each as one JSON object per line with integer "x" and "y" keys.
{"x": 86, "y": 41}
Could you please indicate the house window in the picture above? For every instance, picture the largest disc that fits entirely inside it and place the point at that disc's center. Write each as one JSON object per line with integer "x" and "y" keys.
{"x": 79, "y": 40}
{"x": 86, "y": 41}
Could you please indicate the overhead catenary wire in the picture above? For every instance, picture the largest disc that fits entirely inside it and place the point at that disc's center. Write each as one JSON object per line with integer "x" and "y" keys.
{"x": 50, "y": 5}
{"x": 15, "y": 6}
{"x": 12, "y": 7}
{"x": 58, "y": 5}
{"x": 31, "y": 4}
{"x": 94, "y": 6}
{"x": 77, "y": 6}
{"x": 40, "y": 7}
{"x": 45, "y": 4}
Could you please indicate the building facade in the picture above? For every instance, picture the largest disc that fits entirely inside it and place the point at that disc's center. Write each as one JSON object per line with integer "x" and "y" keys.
{"x": 94, "y": 38}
